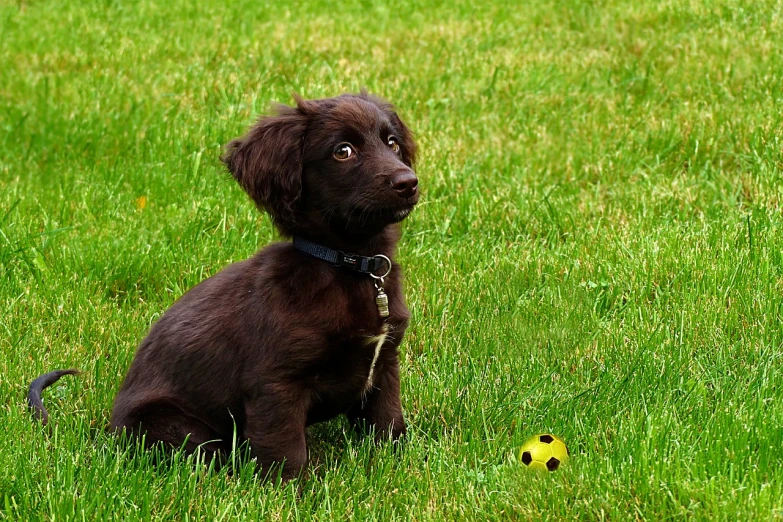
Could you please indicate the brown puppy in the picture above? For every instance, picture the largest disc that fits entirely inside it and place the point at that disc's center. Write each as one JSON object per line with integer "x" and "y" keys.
{"x": 285, "y": 339}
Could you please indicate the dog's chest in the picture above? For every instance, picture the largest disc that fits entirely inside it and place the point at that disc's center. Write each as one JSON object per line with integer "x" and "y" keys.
{"x": 375, "y": 343}
{"x": 348, "y": 374}
{"x": 355, "y": 353}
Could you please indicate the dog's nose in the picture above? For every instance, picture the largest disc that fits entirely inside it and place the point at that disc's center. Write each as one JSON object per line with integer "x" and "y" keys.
{"x": 405, "y": 183}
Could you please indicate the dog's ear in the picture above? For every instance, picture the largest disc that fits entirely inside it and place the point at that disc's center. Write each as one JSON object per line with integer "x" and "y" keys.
{"x": 267, "y": 163}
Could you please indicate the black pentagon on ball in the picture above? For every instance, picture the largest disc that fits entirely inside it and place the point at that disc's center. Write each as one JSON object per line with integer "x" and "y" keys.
{"x": 546, "y": 439}
{"x": 527, "y": 458}
{"x": 552, "y": 464}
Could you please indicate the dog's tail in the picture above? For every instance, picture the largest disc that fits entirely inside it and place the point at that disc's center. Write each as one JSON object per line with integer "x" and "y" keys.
{"x": 34, "y": 401}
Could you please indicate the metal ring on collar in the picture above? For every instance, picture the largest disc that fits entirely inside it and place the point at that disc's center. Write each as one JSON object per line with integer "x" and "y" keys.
{"x": 388, "y": 263}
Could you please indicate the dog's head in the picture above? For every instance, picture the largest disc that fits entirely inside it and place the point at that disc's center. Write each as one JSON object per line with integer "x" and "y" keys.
{"x": 342, "y": 163}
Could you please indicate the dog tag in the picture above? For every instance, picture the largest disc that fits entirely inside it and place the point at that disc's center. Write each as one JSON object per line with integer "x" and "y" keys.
{"x": 382, "y": 301}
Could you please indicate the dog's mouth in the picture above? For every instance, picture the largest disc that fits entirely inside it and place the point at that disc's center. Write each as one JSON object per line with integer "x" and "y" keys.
{"x": 390, "y": 215}
{"x": 379, "y": 215}
{"x": 396, "y": 213}
{"x": 400, "y": 214}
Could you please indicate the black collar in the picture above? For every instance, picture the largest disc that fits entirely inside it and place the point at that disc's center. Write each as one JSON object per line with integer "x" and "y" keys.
{"x": 357, "y": 263}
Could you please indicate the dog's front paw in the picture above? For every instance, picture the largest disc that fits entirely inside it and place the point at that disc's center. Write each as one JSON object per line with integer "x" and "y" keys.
{"x": 398, "y": 429}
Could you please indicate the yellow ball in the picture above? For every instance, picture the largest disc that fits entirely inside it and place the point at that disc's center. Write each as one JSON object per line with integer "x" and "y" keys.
{"x": 545, "y": 452}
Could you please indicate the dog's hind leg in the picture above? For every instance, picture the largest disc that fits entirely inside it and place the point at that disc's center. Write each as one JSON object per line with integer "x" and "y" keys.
{"x": 165, "y": 424}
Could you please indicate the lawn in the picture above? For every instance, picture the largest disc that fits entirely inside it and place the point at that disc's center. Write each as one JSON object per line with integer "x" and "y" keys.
{"x": 598, "y": 252}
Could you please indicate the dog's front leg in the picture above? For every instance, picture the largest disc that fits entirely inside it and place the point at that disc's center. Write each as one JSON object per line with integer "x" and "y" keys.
{"x": 380, "y": 408}
{"x": 275, "y": 430}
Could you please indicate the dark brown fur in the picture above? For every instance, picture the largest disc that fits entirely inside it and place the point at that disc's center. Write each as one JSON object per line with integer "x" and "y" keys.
{"x": 280, "y": 341}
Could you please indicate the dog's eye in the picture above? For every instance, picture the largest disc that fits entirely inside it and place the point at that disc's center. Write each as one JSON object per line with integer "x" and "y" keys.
{"x": 393, "y": 145}
{"x": 343, "y": 151}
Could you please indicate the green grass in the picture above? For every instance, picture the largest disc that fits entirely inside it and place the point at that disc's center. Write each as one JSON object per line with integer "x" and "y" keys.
{"x": 598, "y": 252}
